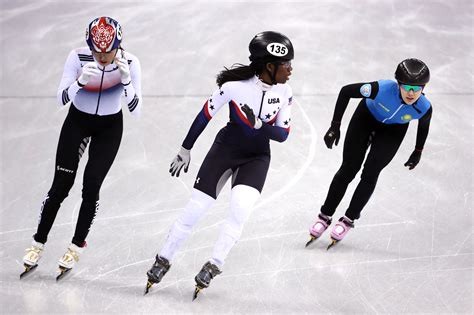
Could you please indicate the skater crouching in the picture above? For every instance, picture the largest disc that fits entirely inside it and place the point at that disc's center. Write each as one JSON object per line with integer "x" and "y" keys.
{"x": 260, "y": 110}
{"x": 93, "y": 81}
{"x": 379, "y": 122}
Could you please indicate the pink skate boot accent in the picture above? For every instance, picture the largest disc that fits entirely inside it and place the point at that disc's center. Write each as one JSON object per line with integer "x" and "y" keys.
{"x": 341, "y": 228}
{"x": 318, "y": 228}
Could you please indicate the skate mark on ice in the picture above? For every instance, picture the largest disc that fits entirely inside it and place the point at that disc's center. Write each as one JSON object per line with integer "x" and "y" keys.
{"x": 463, "y": 242}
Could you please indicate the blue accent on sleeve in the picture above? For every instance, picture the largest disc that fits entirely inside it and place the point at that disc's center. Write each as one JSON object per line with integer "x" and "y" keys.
{"x": 198, "y": 126}
{"x": 274, "y": 132}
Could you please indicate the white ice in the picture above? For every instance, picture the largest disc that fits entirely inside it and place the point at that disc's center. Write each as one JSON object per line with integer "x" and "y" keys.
{"x": 412, "y": 249}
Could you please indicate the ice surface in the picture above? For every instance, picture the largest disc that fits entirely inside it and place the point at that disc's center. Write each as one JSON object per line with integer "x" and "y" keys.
{"x": 412, "y": 249}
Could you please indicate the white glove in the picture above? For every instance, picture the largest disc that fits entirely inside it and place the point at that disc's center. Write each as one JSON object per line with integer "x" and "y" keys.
{"x": 181, "y": 160}
{"x": 89, "y": 70}
{"x": 124, "y": 69}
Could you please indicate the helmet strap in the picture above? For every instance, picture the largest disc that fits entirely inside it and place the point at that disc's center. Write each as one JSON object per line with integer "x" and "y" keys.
{"x": 272, "y": 74}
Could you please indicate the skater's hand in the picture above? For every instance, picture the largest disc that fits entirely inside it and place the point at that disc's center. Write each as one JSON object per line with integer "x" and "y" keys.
{"x": 255, "y": 122}
{"x": 414, "y": 159}
{"x": 333, "y": 134}
{"x": 181, "y": 160}
{"x": 124, "y": 69}
{"x": 89, "y": 70}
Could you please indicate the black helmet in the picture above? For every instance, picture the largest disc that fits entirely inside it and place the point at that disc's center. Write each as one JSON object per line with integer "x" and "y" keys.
{"x": 412, "y": 71}
{"x": 270, "y": 47}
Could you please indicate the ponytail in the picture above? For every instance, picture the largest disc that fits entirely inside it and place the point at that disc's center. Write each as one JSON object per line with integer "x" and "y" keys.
{"x": 238, "y": 72}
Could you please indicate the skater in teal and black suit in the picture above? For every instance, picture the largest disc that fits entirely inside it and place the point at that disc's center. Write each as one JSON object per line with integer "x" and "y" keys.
{"x": 380, "y": 123}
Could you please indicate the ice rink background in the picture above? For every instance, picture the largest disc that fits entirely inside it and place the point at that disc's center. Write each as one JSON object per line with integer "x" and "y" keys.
{"x": 412, "y": 249}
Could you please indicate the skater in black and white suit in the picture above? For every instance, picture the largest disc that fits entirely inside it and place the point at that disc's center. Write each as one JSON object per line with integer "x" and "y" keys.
{"x": 93, "y": 81}
{"x": 259, "y": 102}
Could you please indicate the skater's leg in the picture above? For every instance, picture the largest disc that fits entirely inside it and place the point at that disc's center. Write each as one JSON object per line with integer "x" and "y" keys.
{"x": 355, "y": 147}
{"x": 247, "y": 184}
{"x": 243, "y": 199}
{"x": 183, "y": 226}
{"x": 212, "y": 176}
{"x": 385, "y": 145}
{"x": 70, "y": 147}
{"x": 102, "y": 152}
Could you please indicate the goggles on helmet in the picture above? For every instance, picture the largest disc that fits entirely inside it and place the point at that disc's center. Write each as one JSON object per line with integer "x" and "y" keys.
{"x": 415, "y": 88}
{"x": 285, "y": 64}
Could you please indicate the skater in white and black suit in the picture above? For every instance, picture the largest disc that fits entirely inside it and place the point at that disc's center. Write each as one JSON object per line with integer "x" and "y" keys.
{"x": 260, "y": 110}
{"x": 93, "y": 81}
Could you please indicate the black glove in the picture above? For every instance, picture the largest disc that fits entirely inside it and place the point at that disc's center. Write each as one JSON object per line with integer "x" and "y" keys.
{"x": 249, "y": 113}
{"x": 333, "y": 134}
{"x": 414, "y": 159}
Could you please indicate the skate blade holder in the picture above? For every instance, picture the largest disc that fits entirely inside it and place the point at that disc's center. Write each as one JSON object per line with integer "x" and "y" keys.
{"x": 311, "y": 240}
{"x": 28, "y": 270}
{"x": 63, "y": 271}
{"x": 148, "y": 286}
{"x": 333, "y": 242}
{"x": 197, "y": 289}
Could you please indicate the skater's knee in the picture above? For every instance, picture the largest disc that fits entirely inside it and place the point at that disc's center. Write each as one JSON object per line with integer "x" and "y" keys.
{"x": 240, "y": 212}
{"x": 195, "y": 209}
{"x": 233, "y": 230}
{"x": 242, "y": 203}
{"x": 180, "y": 230}
{"x": 91, "y": 189}
{"x": 370, "y": 175}
{"x": 347, "y": 172}
{"x": 58, "y": 193}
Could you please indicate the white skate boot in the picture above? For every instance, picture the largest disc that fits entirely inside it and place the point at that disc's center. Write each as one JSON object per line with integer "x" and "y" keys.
{"x": 68, "y": 260}
{"x": 31, "y": 258}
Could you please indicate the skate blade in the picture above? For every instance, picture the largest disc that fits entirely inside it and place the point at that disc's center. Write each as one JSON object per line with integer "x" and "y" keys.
{"x": 333, "y": 242}
{"x": 149, "y": 284}
{"x": 28, "y": 270}
{"x": 62, "y": 272}
{"x": 196, "y": 291}
{"x": 313, "y": 238}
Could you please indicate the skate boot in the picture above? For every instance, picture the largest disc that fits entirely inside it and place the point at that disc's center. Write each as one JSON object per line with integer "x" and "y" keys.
{"x": 33, "y": 255}
{"x": 204, "y": 277}
{"x": 340, "y": 230}
{"x": 157, "y": 272}
{"x": 69, "y": 259}
{"x": 318, "y": 228}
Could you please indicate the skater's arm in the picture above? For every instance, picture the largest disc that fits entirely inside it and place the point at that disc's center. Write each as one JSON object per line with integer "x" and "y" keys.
{"x": 68, "y": 87}
{"x": 280, "y": 131}
{"x": 421, "y": 135}
{"x": 275, "y": 133}
{"x": 133, "y": 88}
{"x": 423, "y": 129}
{"x": 210, "y": 108}
{"x": 356, "y": 90}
